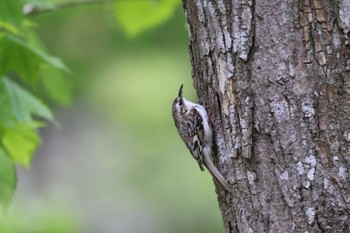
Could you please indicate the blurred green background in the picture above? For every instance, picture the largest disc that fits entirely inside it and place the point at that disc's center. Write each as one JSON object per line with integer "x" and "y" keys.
{"x": 116, "y": 163}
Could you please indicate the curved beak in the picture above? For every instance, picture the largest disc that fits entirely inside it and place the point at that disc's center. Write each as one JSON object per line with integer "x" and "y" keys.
{"x": 180, "y": 91}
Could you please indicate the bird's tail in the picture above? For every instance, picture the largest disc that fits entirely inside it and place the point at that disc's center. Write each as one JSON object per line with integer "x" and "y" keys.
{"x": 219, "y": 179}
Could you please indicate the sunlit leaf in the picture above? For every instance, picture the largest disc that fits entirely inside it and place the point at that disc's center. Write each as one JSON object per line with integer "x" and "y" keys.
{"x": 138, "y": 16}
{"x": 10, "y": 11}
{"x": 7, "y": 179}
{"x": 23, "y": 104}
{"x": 20, "y": 143}
{"x": 7, "y": 27}
{"x": 57, "y": 86}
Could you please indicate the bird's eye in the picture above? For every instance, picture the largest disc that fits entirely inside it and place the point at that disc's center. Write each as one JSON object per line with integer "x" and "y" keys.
{"x": 180, "y": 102}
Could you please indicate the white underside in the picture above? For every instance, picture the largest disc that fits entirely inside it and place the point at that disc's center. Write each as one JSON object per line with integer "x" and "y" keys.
{"x": 207, "y": 129}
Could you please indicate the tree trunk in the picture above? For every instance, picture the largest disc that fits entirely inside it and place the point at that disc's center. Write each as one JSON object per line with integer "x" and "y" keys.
{"x": 274, "y": 77}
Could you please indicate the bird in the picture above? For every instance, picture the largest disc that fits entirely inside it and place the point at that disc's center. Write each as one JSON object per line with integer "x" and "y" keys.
{"x": 193, "y": 126}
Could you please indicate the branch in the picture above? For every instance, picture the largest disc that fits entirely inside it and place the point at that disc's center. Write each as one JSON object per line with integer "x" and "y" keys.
{"x": 31, "y": 9}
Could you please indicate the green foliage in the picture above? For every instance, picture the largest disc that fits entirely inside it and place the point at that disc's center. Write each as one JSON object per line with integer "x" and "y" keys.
{"x": 22, "y": 105}
{"x": 30, "y": 77}
{"x": 24, "y": 65}
{"x": 138, "y": 16}
{"x": 56, "y": 86}
{"x": 26, "y": 138}
{"x": 10, "y": 13}
{"x": 7, "y": 178}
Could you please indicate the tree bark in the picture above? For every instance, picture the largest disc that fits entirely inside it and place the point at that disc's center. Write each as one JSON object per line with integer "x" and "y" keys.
{"x": 275, "y": 79}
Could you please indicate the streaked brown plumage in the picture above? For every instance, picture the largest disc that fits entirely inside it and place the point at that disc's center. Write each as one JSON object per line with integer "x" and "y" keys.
{"x": 191, "y": 121}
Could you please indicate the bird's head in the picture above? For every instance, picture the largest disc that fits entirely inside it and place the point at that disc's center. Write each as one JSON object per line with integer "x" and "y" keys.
{"x": 179, "y": 106}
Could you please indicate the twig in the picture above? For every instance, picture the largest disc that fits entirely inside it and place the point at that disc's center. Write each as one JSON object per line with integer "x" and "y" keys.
{"x": 30, "y": 9}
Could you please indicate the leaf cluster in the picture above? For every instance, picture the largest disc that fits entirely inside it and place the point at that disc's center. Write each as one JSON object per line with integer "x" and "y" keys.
{"x": 25, "y": 67}
{"x": 27, "y": 71}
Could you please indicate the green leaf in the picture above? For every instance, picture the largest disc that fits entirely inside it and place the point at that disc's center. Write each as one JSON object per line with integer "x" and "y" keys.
{"x": 57, "y": 86}
{"x": 20, "y": 143}
{"x": 7, "y": 118}
{"x": 4, "y": 26}
{"x": 138, "y": 16}
{"x": 7, "y": 179}
{"x": 16, "y": 58}
{"x": 23, "y": 104}
{"x": 11, "y": 12}
{"x": 25, "y": 59}
{"x": 51, "y": 60}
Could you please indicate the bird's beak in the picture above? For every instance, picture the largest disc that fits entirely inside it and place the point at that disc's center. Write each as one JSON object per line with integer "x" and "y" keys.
{"x": 180, "y": 91}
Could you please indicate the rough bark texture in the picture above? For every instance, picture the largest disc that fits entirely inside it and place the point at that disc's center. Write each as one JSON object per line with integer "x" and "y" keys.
{"x": 274, "y": 77}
